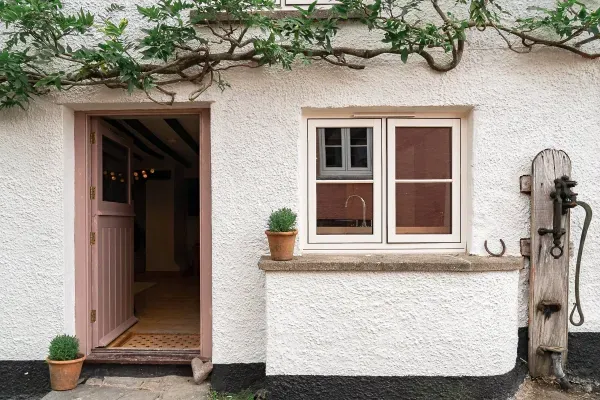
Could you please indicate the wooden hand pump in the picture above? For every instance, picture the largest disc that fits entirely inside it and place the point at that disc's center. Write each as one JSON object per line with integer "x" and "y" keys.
{"x": 552, "y": 198}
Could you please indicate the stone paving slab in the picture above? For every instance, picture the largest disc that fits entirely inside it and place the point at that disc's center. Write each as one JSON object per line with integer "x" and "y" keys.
{"x": 125, "y": 388}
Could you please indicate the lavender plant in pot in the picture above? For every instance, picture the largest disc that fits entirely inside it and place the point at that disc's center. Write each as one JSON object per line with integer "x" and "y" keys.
{"x": 282, "y": 234}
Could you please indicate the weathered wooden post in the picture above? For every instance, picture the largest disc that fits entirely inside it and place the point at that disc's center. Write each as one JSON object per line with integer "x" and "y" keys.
{"x": 549, "y": 269}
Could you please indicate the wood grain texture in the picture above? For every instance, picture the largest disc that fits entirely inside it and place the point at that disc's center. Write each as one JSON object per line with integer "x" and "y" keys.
{"x": 549, "y": 277}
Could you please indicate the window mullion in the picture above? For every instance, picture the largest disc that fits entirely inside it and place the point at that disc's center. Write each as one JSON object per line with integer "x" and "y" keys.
{"x": 346, "y": 148}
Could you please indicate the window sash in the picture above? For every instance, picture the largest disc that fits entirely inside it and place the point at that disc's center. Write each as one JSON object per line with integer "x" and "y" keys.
{"x": 455, "y": 180}
{"x": 346, "y": 169}
{"x": 284, "y": 3}
{"x": 376, "y": 181}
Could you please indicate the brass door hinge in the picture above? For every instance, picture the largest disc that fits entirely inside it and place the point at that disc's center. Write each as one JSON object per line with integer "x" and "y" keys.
{"x": 92, "y": 238}
{"x": 93, "y": 192}
{"x": 93, "y": 137}
{"x": 93, "y": 316}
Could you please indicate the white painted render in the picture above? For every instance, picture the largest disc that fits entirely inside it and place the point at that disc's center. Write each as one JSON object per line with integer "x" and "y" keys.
{"x": 520, "y": 105}
{"x": 391, "y": 323}
{"x": 36, "y": 274}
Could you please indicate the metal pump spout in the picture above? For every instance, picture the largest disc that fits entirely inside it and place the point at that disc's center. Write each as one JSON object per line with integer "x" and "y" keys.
{"x": 557, "y": 369}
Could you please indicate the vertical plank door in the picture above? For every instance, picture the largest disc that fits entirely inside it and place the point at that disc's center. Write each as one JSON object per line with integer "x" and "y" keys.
{"x": 112, "y": 226}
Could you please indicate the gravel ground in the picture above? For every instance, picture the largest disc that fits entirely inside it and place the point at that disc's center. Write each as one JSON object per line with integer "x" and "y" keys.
{"x": 548, "y": 390}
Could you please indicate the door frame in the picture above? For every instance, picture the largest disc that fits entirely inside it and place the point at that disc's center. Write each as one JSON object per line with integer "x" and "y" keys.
{"x": 83, "y": 171}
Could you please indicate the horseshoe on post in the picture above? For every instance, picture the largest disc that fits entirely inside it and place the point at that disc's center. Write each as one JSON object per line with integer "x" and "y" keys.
{"x": 495, "y": 254}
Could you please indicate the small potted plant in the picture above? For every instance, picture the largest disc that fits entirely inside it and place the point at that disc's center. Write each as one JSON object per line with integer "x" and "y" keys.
{"x": 65, "y": 362}
{"x": 282, "y": 234}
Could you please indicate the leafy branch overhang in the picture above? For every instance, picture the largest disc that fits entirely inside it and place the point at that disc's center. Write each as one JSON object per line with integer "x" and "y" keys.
{"x": 197, "y": 41}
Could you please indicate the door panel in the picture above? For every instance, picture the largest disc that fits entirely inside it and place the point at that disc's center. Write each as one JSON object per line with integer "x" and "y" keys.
{"x": 112, "y": 222}
{"x": 115, "y": 255}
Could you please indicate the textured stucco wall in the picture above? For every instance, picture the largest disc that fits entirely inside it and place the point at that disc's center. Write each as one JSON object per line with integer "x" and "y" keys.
{"x": 35, "y": 271}
{"x": 519, "y": 108}
{"x": 391, "y": 323}
{"x": 521, "y": 105}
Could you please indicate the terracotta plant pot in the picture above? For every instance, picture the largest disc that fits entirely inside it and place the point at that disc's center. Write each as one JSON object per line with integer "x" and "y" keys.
{"x": 281, "y": 245}
{"x": 65, "y": 374}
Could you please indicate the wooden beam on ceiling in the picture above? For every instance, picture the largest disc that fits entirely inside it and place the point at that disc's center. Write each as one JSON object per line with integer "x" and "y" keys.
{"x": 136, "y": 142}
{"x": 147, "y": 134}
{"x": 183, "y": 134}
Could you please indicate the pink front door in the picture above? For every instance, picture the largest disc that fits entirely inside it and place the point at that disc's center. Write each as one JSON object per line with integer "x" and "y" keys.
{"x": 112, "y": 225}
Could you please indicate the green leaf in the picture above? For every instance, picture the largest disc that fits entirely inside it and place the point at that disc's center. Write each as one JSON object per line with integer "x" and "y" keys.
{"x": 404, "y": 55}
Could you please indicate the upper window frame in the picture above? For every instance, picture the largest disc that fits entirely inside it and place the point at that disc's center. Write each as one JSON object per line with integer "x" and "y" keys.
{"x": 376, "y": 180}
{"x": 346, "y": 169}
{"x": 388, "y": 245}
{"x": 289, "y": 4}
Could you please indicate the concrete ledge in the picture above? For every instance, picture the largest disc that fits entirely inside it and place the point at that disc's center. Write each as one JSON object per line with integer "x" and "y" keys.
{"x": 394, "y": 262}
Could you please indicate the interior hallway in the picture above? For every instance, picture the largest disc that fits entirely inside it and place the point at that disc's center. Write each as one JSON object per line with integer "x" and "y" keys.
{"x": 167, "y": 306}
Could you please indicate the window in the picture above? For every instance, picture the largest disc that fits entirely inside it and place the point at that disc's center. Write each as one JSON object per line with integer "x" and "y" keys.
{"x": 291, "y": 3}
{"x": 345, "y": 151}
{"x": 385, "y": 183}
{"x": 346, "y": 181}
{"x": 115, "y": 177}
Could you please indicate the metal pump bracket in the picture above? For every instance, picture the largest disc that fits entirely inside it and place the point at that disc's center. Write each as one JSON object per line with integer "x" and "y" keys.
{"x": 563, "y": 199}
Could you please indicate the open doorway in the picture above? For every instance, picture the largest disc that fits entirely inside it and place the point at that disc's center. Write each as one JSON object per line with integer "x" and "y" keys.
{"x": 148, "y": 255}
{"x": 165, "y": 195}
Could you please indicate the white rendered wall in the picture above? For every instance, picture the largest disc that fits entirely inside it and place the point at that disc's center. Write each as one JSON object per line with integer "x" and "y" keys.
{"x": 36, "y": 242}
{"x": 391, "y": 323}
{"x": 521, "y": 105}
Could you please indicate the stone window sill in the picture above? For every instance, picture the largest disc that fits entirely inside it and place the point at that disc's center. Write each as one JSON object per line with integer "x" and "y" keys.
{"x": 393, "y": 262}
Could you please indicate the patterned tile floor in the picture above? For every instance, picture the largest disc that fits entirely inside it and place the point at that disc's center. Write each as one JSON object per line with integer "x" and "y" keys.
{"x": 157, "y": 341}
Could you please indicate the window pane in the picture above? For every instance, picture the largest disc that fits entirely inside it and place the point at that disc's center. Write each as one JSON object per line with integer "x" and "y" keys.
{"x": 358, "y": 136}
{"x": 115, "y": 174}
{"x": 333, "y": 157}
{"x": 423, "y": 208}
{"x": 341, "y": 211}
{"x": 333, "y": 136}
{"x": 423, "y": 153}
{"x": 358, "y": 157}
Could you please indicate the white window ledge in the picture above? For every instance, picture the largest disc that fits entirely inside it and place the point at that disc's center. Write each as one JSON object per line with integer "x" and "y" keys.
{"x": 394, "y": 262}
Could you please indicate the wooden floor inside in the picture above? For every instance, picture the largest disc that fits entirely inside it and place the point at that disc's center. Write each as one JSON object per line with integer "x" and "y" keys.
{"x": 167, "y": 306}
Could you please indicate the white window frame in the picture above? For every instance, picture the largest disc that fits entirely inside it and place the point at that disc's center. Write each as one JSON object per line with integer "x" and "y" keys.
{"x": 377, "y": 179}
{"x": 289, "y": 4}
{"x": 346, "y": 169}
{"x": 455, "y": 235}
{"x": 308, "y": 246}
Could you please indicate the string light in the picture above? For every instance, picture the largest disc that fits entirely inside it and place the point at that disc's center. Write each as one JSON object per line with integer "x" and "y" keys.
{"x": 143, "y": 173}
